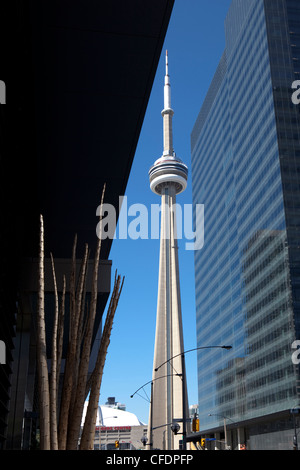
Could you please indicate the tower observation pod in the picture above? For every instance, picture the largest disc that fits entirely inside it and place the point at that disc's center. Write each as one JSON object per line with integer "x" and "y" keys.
{"x": 168, "y": 177}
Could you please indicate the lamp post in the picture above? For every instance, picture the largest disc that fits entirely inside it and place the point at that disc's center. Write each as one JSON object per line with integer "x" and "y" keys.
{"x": 184, "y": 384}
{"x": 102, "y": 424}
{"x": 151, "y": 407}
{"x": 225, "y": 427}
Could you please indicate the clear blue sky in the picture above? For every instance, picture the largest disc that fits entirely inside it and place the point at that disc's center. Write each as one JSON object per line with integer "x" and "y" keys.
{"x": 195, "y": 41}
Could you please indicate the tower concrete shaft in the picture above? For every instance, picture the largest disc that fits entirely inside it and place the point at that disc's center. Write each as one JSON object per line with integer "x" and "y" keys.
{"x": 168, "y": 177}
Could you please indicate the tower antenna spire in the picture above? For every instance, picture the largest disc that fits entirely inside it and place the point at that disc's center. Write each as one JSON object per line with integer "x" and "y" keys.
{"x": 167, "y": 63}
{"x": 167, "y": 113}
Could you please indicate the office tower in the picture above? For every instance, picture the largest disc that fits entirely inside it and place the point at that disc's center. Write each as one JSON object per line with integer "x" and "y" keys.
{"x": 168, "y": 177}
{"x": 246, "y": 171}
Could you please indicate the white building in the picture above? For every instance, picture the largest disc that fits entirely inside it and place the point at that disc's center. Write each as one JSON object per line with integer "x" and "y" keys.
{"x": 116, "y": 425}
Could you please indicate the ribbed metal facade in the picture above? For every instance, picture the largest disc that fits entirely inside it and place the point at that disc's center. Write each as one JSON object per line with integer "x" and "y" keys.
{"x": 245, "y": 170}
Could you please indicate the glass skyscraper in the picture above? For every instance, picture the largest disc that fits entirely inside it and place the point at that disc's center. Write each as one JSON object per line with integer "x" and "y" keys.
{"x": 246, "y": 171}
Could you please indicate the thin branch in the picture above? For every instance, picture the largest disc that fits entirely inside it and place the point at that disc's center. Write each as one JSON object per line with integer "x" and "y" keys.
{"x": 60, "y": 335}
{"x": 53, "y": 377}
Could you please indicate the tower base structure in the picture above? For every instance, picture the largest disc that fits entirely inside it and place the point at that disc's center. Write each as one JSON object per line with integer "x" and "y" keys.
{"x": 169, "y": 381}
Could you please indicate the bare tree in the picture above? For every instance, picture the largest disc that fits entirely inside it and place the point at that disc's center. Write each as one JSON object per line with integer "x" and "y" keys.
{"x": 42, "y": 368}
{"x": 70, "y": 364}
{"x": 75, "y": 421}
{"x": 82, "y": 313}
{"x": 66, "y": 433}
{"x": 88, "y": 433}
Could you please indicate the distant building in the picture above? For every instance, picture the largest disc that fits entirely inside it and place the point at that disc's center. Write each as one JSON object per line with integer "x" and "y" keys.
{"x": 115, "y": 424}
{"x": 111, "y": 401}
{"x": 193, "y": 409}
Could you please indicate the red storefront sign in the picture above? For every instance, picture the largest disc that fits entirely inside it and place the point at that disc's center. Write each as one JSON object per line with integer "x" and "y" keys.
{"x": 113, "y": 428}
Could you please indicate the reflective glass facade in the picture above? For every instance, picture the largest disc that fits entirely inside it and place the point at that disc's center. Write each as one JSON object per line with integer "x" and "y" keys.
{"x": 246, "y": 171}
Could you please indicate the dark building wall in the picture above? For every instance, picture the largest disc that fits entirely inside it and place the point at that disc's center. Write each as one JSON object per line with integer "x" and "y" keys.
{"x": 78, "y": 78}
{"x": 16, "y": 143}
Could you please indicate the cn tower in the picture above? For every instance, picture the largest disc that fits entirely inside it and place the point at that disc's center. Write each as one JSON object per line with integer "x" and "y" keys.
{"x": 168, "y": 177}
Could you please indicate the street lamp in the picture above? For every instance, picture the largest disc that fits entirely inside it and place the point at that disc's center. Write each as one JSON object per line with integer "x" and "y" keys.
{"x": 151, "y": 407}
{"x": 101, "y": 423}
{"x": 184, "y": 419}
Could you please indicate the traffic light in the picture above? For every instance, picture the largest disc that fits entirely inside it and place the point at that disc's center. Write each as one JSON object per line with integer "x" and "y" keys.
{"x": 117, "y": 444}
{"x": 195, "y": 425}
{"x": 203, "y": 442}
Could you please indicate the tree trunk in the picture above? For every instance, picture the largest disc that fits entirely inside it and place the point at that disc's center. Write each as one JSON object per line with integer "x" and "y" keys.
{"x": 53, "y": 377}
{"x": 80, "y": 310}
{"x": 71, "y": 364}
{"x": 88, "y": 434}
{"x": 60, "y": 333}
{"x": 43, "y": 380}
